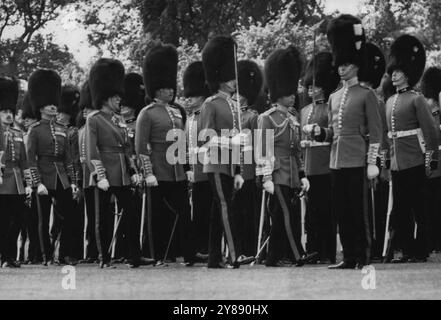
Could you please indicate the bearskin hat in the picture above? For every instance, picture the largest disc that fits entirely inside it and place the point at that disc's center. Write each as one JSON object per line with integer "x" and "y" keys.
{"x": 134, "y": 92}
{"x": 375, "y": 67}
{"x": 106, "y": 80}
{"x": 194, "y": 81}
{"x": 326, "y": 76}
{"x": 44, "y": 88}
{"x": 8, "y": 94}
{"x": 408, "y": 55}
{"x": 348, "y": 40}
{"x": 160, "y": 69}
{"x": 431, "y": 83}
{"x": 250, "y": 80}
{"x": 282, "y": 72}
{"x": 26, "y": 108}
{"x": 219, "y": 61}
{"x": 85, "y": 97}
{"x": 70, "y": 98}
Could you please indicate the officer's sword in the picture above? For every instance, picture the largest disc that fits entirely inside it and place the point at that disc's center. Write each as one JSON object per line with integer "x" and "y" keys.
{"x": 261, "y": 222}
{"x": 40, "y": 228}
{"x": 141, "y": 232}
{"x": 388, "y": 236}
{"x": 374, "y": 228}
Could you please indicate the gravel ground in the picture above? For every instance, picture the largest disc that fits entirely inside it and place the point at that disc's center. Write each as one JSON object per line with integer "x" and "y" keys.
{"x": 406, "y": 281}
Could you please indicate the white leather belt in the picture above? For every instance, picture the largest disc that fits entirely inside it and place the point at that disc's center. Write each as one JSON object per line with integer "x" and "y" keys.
{"x": 311, "y": 144}
{"x": 402, "y": 134}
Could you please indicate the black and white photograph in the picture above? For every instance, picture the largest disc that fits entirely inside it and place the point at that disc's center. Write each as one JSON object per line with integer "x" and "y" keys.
{"x": 220, "y": 156}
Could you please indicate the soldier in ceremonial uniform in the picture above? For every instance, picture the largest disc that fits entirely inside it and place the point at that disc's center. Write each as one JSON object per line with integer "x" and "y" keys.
{"x": 355, "y": 132}
{"x": 431, "y": 89}
{"x": 282, "y": 166}
{"x": 371, "y": 76}
{"x": 195, "y": 92}
{"x": 321, "y": 226}
{"x": 246, "y": 204}
{"x": 86, "y": 182}
{"x": 220, "y": 126}
{"x": 67, "y": 115}
{"x": 50, "y": 162}
{"x": 108, "y": 153}
{"x": 159, "y": 126}
{"x": 413, "y": 137}
{"x": 13, "y": 162}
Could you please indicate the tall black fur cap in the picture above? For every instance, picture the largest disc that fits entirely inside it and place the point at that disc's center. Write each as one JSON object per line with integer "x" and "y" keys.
{"x": 134, "y": 92}
{"x": 326, "y": 75}
{"x": 250, "y": 80}
{"x": 44, "y": 88}
{"x": 8, "y": 94}
{"x": 194, "y": 81}
{"x": 26, "y": 108}
{"x": 70, "y": 98}
{"x": 282, "y": 72}
{"x": 348, "y": 40}
{"x": 85, "y": 97}
{"x": 431, "y": 83}
{"x": 408, "y": 55}
{"x": 106, "y": 80}
{"x": 375, "y": 67}
{"x": 219, "y": 61}
{"x": 160, "y": 69}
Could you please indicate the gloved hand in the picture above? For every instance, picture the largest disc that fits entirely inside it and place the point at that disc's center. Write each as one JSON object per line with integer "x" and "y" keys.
{"x": 431, "y": 163}
{"x": 269, "y": 187}
{"x": 135, "y": 179}
{"x": 41, "y": 190}
{"x": 305, "y": 184}
{"x": 372, "y": 171}
{"x": 190, "y": 176}
{"x": 75, "y": 191}
{"x": 103, "y": 184}
{"x": 309, "y": 128}
{"x": 238, "y": 182}
{"x": 1, "y": 180}
{"x": 28, "y": 192}
{"x": 151, "y": 181}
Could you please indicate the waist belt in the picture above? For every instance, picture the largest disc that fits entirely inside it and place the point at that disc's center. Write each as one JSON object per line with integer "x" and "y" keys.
{"x": 112, "y": 149}
{"x": 407, "y": 133}
{"x": 312, "y": 144}
{"x": 48, "y": 158}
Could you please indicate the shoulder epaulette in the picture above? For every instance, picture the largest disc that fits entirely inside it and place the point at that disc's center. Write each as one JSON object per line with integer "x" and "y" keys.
{"x": 211, "y": 98}
{"x": 269, "y": 111}
{"x": 16, "y": 129}
{"x": 93, "y": 113}
{"x": 151, "y": 105}
{"x": 35, "y": 124}
{"x": 339, "y": 87}
{"x": 61, "y": 124}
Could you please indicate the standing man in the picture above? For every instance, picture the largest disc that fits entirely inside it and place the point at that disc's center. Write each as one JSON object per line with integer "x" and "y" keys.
{"x": 246, "y": 200}
{"x": 355, "y": 132}
{"x": 281, "y": 163}
{"x": 195, "y": 92}
{"x": 220, "y": 123}
{"x": 159, "y": 126}
{"x": 50, "y": 162}
{"x": 413, "y": 137}
{"x": 107, "y": 147}
{"x": 321, "y": 226}
{"x": 12, "y": 190}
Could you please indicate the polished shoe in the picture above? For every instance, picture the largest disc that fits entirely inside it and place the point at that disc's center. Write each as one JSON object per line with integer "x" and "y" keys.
{"x": 307, "y": 258}
{"x": 403, "y": 259}
{"x": 245, "y": 260}
{"x": 216, "y": 266}
{"x": 278, "y": 264}
{"x": 418, "y": 260}
{"x": 106, "y": 265}
{"x": 133, "y": 264}
{"x": 343, "y": 265}
{"x": 147, "y": 261}
{"x": 234, "y": 265}
{"x": 325, "y": 261}
{"x": 45, "y": 263}
{"x": 10, "y": 264}
{"x": 203, "y": 257}
{"x": 70, "y": 261}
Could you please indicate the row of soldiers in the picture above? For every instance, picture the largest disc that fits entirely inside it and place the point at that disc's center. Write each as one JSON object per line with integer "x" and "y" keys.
{"x": 100, "y": 149}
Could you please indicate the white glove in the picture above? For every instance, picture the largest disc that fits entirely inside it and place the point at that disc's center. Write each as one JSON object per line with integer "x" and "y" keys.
{"x": 74, "y": 191}
{"x": 28, "y": 191}
{"x": 305, "y": 184}
{"x": 190, "y": 176}
{"x": 103, "y": 184}
{"x": 135, "y": 179}
{"x": 151, "y": 181}
{"x": 269, "y": 187}
{"x": 308, "y": 128}
{"x": 238, "y": 182}
{"x": 41, "y": 190}
{"x": 372, "y": 171}
{"x": 1, "y": 180}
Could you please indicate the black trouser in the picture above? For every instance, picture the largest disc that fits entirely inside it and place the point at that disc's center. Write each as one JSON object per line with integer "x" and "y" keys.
{"x": 246, "y": 212}
{"x": 350, "y": 202}
{"x": 170, "y": 202}
{"x": 381, "y": 198}
{"x": 63, "y": 198}
{"x": 31, "y": 222}
{"x": 286, "y": 225}
{"x": 76, "y": 225}
{"x": 11, "y": 209}
{"x": 320, "y": 222}
{"x": 221, "y": 219}
{"x": 202, "y": 199}
{"x": 409, "y": 208}
{"x": 89, "y": 198}
{"x": 433, "y": 201}
{"x": 104, "y": 222}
